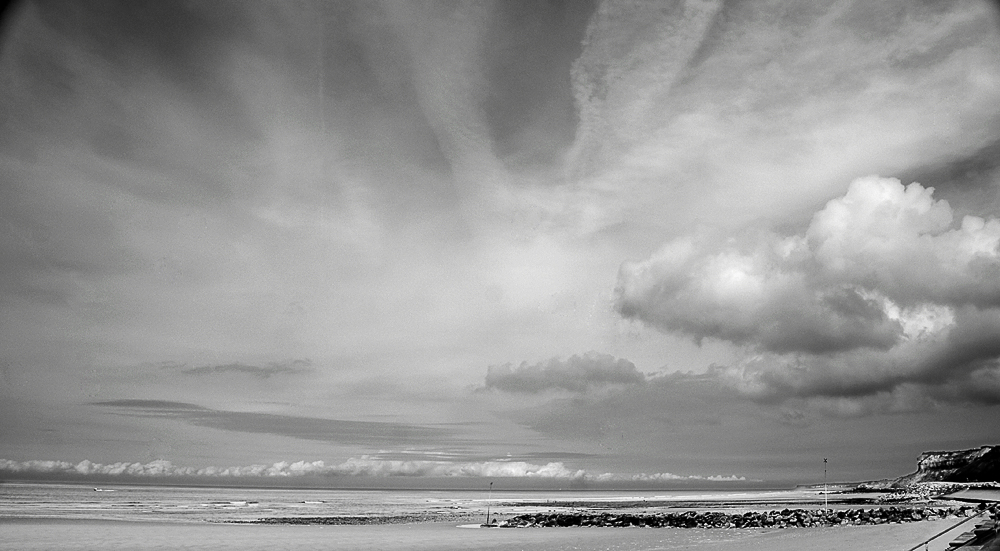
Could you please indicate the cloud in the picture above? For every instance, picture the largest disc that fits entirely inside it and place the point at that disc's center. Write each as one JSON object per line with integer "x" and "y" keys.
{"x": 715, "y": 290}
{"x": 354, "y": 467}
{"x": 576, "y": 374}
{"x": 903, "y": 243}
{"x": 661, "y": 477}
{"x": 664, "y": 39}
{"x": 700, "y": 423}
{"x": 364, "y": 433}
{"x": 402, "y": 190}
{"x": 727, "y": 111}
{"x": 366, "y": 466}
{"x": 882, "y": 288}
{"x": 273, "y": 368}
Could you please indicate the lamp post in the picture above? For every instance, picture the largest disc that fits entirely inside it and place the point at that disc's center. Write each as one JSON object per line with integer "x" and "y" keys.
{"x": 489, "y": 500}
{"x": 826, "y": 494}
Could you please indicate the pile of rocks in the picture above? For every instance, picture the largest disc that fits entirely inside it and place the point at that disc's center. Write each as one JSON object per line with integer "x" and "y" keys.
{"x": 786, "y": 518}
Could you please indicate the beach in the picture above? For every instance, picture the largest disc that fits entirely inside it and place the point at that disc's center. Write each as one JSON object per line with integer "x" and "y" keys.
{"x": 50, "y": 534}
{"x": 75, "y": 517}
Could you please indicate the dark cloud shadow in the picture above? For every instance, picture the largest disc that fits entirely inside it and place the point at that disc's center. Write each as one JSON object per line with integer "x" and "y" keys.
{"x": 359, "y": 433}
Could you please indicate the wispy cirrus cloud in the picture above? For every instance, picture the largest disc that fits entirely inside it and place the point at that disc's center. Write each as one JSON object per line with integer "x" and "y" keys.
{"x": 725, "y": 113}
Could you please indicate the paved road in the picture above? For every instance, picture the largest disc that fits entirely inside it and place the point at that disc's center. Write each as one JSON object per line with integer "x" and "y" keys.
{"x": 976, "y": 495}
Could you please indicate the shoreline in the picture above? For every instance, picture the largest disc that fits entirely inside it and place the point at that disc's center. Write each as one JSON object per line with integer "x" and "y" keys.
{"x": 772, "y": 518}
{"x": 845, "y": 509}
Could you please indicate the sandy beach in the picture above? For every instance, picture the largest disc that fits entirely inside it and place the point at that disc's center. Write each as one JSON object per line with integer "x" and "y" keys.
{"x": 46, "y": 534}
{"x": 74, "y": 517}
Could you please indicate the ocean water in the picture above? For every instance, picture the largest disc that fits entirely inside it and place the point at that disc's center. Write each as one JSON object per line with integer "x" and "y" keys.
{"x": 76, "y": 517}
{"x": 203, "y": 504}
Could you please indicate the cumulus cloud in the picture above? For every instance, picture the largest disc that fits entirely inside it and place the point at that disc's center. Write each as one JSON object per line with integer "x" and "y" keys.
{"x": 903, "y": 243}
{"x": 364, "y": 466}
{"x": 665, "y": 477}
{"x": 882, "y": 288}
{"x": 717, "y": 290}
{"x": 576, "y": 374}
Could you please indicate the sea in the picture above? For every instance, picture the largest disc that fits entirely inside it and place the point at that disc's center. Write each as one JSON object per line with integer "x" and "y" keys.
{"x": 37, "y": 516}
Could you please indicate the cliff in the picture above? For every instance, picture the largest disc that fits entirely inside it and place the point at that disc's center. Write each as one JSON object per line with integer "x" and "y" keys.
{"x": 975, "y": 465}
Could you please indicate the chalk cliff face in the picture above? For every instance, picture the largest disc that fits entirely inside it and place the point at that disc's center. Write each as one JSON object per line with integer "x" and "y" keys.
{"x": 975, "y": 465}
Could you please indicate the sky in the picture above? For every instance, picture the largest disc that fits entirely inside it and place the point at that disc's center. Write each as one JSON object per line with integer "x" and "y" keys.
{"x": 553, "y": 243}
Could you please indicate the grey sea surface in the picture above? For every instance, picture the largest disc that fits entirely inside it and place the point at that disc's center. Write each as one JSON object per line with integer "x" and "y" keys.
{"x": 77, "y": 517}
{"x": 221, "y": 504}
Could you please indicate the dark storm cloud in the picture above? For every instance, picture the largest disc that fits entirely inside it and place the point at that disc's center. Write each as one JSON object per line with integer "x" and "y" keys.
{"x": 576, "y": 374}
{"x": 362, "y": 433}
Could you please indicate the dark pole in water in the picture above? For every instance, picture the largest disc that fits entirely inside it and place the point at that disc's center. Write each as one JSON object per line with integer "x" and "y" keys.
{"x": 488, "y": 501}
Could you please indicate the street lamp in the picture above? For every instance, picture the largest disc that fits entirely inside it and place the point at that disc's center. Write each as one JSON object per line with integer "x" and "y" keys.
{"x": 489, "y": 501}
{"x": 826, "y": 493}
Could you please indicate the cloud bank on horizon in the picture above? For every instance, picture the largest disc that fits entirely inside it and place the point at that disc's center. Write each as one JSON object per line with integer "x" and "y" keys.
{"x": 353, "y": 467}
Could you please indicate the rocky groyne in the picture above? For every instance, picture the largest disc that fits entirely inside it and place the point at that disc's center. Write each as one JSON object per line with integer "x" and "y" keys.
{"x": 785, "y": 518}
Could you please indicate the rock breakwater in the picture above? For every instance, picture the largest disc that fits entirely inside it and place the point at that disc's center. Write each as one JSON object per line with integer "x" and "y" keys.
{"x": 785, "y": 518}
